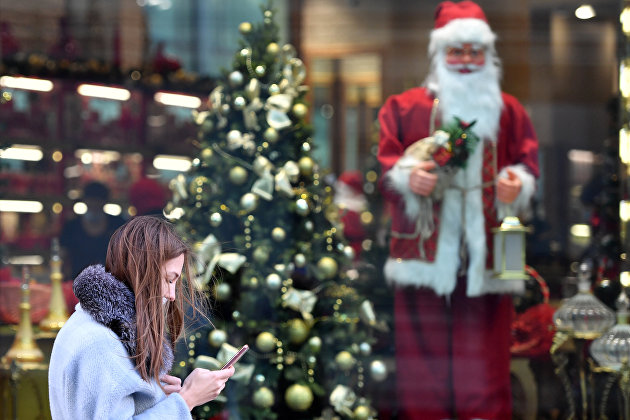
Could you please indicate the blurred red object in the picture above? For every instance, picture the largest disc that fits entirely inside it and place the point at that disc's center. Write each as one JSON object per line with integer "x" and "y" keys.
{"x": 11, "y": 296}
{"x": 533, "y": 330}
{"x": 68, "y": 294}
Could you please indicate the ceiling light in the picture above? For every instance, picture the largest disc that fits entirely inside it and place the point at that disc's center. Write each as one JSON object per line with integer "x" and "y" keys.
{"x": 105, "y": 92}
{"x": 26, "y": 260}
{"x": 22, "y": 152}
{"x": 175, "y": 99}
{"x": 26, "y": 83}
{"x": 172, "y": 163}
{"x": 79, "y": 207}
{"x": 585, "y": 11}
{"x": 112, "y": 209}
{"x": 21, "y": 206}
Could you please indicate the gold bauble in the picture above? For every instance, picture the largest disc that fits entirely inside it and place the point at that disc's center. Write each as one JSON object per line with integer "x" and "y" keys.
{"x": 298, "y": 331}
{"x": 315, "y": 344}
{"x": 273, "y": 48}
{"x": 271, "y": 135}
{"x": 278, "y": 234}
{"x": 238, "y": 175}
{"x": 206, "y": 154}
{"x": 344, "y": 360}
{"x": 299, "y": 110}
{"x": 299, "y": 397}
{"x": 261, "y": 255}
{"x": 266, "y": 342}
{"x": 367, "y": 217}
{"x": 217, "y": 337}
{"x": 245, "y": 28}
{"x": 263, "y": 397}
{"x": 306, "y": 165}
{"x": 361, "y": 413}
{"x": 328, "y": 267}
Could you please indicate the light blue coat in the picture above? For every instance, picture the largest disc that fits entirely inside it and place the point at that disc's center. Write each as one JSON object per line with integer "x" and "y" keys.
{"x": 92, "y": 376}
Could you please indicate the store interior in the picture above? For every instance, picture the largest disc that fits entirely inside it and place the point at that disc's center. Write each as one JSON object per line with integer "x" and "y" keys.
{"x": 160, "y": 61}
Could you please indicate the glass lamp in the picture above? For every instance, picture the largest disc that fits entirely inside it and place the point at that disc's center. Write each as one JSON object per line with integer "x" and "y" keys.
{"x": 583, "y": 315}
{"x": 612, "y": 349}
{"x": 509, "y": 250}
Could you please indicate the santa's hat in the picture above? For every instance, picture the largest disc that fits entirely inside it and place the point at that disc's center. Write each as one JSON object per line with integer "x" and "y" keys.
{"x": 352, "y": 179}
{"x": 460, "y": 23}
{"x": 148, "y": 196}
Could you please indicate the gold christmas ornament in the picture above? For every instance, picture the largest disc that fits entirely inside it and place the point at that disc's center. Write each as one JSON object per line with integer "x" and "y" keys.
{"x": 249, "y": 202}
{"x": 273, "y": 48}
{"x": 216, "y": 219}
{"x": 206, "y": 154}
{"x": 238, "y": 175}
{"x": 298, "y": 331}
{"x": 367, "y": 217}
{"x": 245, "y": 28}
{"x": 315, "y": 344}
{"x": 222, "y": 291}
{"x": 271, "y": 135}
{"x": 298, "y": 397}
{"x": 263, "y": 397}
{"x": 328, "y": 267}
{"x": 361, "y": 413}
{"x": 260, "y": 70}
{"x": 217, "y": 337}
{"x": 278, "y": 234}
{"x": 306, "y": 165}
{"x": 266, "y": 342}
{"x": 299, "y": 110}
{"x": 261, "y": 255}
{"x": 300, "y": 260}
{"x": 345, "y": 360}
{"x": 378, "y": 370}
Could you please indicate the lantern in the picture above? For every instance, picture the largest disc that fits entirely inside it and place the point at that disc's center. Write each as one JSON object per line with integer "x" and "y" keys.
{"x": 509, "y": 250}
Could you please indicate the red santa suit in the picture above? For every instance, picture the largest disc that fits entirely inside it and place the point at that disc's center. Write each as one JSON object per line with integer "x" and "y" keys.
{"x": 452, "y": 330}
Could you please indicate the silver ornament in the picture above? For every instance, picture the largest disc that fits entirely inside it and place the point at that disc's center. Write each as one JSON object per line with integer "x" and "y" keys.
{"x": 365, "y": 348}
{"x": 301, "y": 207}
{"x": 306, "y": 147}
{"x": 239, "y": 103}
{"x": 235, "y": 78}
{"x": 300, "y": 260}
{"x": 273, "y": 281}
{"x": 223, "y": 291}
{"x": 259, "y": 379}
{"x": 348, "y": 251}
{"x": 225, "y": 109}
{"x": 260, "y": 70}
{"x": 217, "y": 337}
{"x": 309, "y": 225}
{"x": 278, "y": 234}
{"x": 274, "y": 89}
{"x": 378, "y": 370}
{"x": 315, "y": 344}
{"x": 216, "y": 219}
{"x": 245, "y": 52}
{"x": 249, "y": 202}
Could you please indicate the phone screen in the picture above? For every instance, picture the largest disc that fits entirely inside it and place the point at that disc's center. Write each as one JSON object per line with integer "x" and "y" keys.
{"x": 236, "y": 357}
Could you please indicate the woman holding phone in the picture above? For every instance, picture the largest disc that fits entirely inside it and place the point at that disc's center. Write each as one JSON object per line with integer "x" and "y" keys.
{"x": 111, "y": 359}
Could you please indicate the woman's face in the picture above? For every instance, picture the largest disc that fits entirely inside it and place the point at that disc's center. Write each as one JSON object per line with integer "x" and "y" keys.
{"x": 171, "y": 272}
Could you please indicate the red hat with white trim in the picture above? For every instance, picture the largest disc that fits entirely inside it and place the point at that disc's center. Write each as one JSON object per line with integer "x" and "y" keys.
{"x": 460, "y": 22}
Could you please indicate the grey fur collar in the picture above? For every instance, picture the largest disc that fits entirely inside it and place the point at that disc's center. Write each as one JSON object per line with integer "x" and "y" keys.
{"x": 111, "y": 303}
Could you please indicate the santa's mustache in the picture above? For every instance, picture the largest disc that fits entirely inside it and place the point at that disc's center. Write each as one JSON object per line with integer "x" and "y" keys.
{"x": 464, "y": 68}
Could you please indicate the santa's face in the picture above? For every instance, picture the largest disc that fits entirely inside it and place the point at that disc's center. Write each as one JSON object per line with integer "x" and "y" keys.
{"x": 465, "y": 58}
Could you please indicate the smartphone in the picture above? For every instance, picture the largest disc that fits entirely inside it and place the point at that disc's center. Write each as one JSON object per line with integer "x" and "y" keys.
{"x": 237, "y": 356}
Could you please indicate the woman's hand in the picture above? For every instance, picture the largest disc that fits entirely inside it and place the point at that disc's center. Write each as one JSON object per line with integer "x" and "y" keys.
{"x": 421, "y": 181}
{"x": 203, "y": 385}
{"x": 171, "y": 384}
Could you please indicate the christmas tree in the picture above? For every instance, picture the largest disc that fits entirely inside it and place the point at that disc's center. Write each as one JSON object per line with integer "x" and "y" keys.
{"x": 272, "y": 258}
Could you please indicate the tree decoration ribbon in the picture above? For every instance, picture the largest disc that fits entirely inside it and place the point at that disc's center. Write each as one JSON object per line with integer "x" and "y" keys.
{"x": 342, "y": 398}
{"x": 250, "y": 112}
{"x": 277, "y": 107}
{"x": 302, "y": 301}
{"x": 178, "y": 186}
{"x": 367, "y": 315}
{"x": 210, "y": 255}
{"x": 264, "y": 186}
{"x": 236, "y": 140}
{"x": 216, "y": 101}
{"x": 449, "y": 147}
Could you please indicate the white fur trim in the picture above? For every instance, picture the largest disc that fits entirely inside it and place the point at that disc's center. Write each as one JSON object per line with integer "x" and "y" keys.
{"x": 421, "y": 274}
{"x": 397, "y": 178}
{"x": 461, "y": 31}
{"x": 522, "y": 205}
{"x": 347, "y": 197}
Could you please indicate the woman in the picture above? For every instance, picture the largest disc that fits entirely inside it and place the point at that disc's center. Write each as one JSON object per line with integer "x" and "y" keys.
{"x": 111, "y": 358}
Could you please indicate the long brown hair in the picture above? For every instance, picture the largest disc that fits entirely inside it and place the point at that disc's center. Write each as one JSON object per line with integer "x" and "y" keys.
{"x": 136, "y": 255}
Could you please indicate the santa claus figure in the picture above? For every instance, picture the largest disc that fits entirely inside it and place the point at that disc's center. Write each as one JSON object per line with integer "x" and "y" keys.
{"x": 452, "y": 316}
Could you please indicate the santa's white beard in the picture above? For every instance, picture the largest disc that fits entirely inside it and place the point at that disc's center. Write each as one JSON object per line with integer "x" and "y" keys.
{"x": 469, "y": 96}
